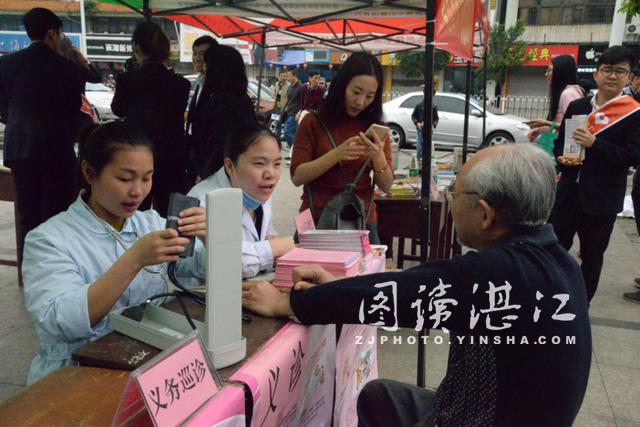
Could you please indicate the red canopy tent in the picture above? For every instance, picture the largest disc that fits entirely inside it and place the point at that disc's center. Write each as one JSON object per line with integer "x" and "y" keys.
{"x": 372, "y": 25}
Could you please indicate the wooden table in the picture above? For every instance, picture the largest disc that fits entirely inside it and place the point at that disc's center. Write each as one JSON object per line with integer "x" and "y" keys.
{"x": 399, "y": 216}
{"x": 88, "y": 395}
{"x": 62, "y": 399}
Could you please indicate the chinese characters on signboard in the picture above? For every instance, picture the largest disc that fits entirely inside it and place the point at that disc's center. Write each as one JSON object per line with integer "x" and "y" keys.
{"x": 178, "y": 385}
{"x": 541, "y": 55}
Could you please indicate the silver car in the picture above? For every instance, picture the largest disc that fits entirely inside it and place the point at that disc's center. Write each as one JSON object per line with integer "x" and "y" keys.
{"x": 100, "y": 97}
{"x": 501, "y": 128}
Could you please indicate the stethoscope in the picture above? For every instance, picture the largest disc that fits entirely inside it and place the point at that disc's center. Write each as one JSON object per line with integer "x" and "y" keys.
{"x": 161, "y": 269}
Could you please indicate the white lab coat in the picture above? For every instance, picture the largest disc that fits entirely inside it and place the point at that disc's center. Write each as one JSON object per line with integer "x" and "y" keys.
{"x": 256, "y": 250}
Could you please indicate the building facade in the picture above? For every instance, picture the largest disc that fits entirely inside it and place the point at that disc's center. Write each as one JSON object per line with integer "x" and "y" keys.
{"x": 582, "y": 29}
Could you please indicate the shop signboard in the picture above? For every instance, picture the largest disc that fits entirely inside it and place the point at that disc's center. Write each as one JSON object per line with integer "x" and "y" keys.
{"x": 13, "y": 41}
{"x": 588, "y": 55}
{"x": 189, "y": 34}
{"x": 109, "y": 48}
{"x": 317, "y": 56}
{"x": 338, "y": 57}
{"x": 541, "y": 55}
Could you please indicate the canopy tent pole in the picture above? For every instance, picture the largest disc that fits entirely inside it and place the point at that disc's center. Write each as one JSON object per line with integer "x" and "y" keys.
{"x": 484, "y": 96}
{"x": 263, "y": 46}
{"x": 467, "y": 97}
{"x": 425, "y": 193}
{"x": 146, "y": 10}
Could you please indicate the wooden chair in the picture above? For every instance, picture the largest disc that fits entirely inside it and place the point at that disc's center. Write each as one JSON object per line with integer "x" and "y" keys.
{"x": 8, "y": 194}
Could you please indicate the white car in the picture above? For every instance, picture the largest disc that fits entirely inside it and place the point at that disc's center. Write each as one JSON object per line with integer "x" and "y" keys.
{"x": 500, "y": 128}
{"x": 100, "y": 97}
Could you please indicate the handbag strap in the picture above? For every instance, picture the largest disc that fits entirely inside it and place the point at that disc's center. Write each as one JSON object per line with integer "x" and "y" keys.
{"x": 333, "y": 144}
{"x": 350, "y": 186}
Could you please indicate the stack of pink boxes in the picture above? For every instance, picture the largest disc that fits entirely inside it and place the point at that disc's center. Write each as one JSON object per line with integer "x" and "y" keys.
{"x": 338, "y": 263}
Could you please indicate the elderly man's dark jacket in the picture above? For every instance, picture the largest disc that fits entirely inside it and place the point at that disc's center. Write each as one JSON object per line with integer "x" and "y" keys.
{"x": 528, "y": 285}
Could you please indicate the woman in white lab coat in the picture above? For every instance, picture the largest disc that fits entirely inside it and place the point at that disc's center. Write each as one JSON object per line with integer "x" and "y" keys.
{"x": 251, "y": 163}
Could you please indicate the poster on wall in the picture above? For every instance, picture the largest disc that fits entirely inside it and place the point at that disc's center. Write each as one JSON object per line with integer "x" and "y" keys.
{"x": 189, "y": 34}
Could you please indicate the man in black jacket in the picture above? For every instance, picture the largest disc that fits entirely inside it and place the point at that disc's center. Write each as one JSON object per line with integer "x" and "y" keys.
{"x": 517, "y": 310}
{"x": 39, "y": 102}
{"x": 196, "y": 110}
{"x": 417, "y": 117}
{"x": 291, "y": 109}
{"x": 591, "y": 193}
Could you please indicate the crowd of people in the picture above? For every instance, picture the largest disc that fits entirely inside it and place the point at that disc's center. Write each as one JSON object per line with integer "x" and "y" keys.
{"x": 94, "y": 245}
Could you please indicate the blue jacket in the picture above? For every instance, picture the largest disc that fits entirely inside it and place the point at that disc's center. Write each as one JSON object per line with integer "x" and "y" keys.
{"x": 67, "y": 254}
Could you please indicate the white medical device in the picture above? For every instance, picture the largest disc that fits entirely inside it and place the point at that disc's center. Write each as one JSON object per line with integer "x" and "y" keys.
{"x": 222, "y": 329}
{"x": 224, "y": 277}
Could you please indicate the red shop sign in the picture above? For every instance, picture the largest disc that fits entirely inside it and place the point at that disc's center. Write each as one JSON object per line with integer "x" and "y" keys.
{"x": 541, "y": 54}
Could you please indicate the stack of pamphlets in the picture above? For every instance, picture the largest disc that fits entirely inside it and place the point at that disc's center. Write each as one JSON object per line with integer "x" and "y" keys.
{"x": 338, "y": 263}
{"x": 402, "y": 189}
{"x": 336, "y": 240}
{"x": 571, "y": 148}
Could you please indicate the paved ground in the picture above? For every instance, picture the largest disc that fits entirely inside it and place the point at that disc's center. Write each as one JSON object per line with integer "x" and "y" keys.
{"x": 614, "y": 387}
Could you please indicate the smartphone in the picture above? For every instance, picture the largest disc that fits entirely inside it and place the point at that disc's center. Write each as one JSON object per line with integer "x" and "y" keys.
{"x": 177, "y": 203}
{"x": 381, "y": 131}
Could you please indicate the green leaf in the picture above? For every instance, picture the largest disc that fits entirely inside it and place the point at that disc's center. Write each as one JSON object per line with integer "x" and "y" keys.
{"x": 412, "y": 63}
{"x": 631, "y": 7}
{"x": 506, "y": 52}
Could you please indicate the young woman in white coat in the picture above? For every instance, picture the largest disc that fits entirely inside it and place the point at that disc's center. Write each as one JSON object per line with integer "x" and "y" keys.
{"x": 102, "y": 253}
{"x": 251, "y": 163}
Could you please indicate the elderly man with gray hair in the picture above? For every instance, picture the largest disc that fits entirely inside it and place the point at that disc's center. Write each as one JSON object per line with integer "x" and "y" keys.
{"x": 516, "y": 307}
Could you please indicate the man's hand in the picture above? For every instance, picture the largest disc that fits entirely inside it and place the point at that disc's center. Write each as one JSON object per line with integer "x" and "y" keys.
{"x": 584, "y": 137}
{"x": 308, "y": 276}
{"x": 263, "y": 298}
{"x": 537, "y": 123}
{"x": 536, "y": 132}
{"x": 569, "y": 161}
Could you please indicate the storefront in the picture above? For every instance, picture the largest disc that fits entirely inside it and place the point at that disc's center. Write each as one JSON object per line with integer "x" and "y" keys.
{"x": 529, "y": 80}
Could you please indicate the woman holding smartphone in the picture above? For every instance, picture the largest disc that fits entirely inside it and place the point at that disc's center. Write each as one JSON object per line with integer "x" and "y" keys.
{"x": 353, "y": 104}
{"x": 103, "y": 254}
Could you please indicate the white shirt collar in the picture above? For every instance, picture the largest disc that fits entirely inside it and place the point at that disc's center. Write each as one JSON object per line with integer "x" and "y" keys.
{"x": 595, "y": 106}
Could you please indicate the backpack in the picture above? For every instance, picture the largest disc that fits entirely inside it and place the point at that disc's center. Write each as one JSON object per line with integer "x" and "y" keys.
{"x": 345, "y": 210}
